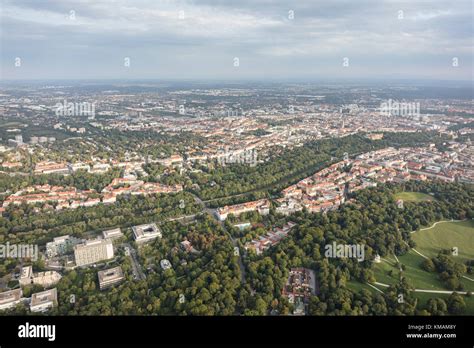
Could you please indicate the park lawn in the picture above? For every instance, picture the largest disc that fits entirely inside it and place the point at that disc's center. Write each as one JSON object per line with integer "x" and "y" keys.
{"x": 468, "y": 285}
{"x": 382, "y": 269}
{"x": 356, "y": 286}
{"x": 416, "y": 276}
{"x": 447, "y": 235}
{"x": 424, "y": 297}
{"x": 414, "y": 196}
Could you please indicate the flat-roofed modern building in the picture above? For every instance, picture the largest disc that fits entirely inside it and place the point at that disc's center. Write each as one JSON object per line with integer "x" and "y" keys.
{"x": 42, "y": 301}
{"x": 110, "y": 277}
{"x": 145, "y": 233}
{"x": 45, "y": 279}
{"x": 10, "y": 299}
{"x": 93, "y": 251}
{"x": 112, "y": 234}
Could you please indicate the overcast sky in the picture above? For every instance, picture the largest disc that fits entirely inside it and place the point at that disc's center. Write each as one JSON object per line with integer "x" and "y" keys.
{"x": 92, "y": 39}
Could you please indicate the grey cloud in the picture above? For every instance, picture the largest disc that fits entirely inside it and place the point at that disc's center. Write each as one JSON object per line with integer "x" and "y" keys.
{"x": 213, "y": 32}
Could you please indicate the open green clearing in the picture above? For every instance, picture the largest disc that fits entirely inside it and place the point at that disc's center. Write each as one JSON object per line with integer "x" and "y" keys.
{"x": 386, "y": 272}
{"x": 357, "y": 286}
{"x": 414, "y": 196}
{"x": 447, "y": 235}
{"x": 430, "y": 242}
{"x": 423, "y": 298}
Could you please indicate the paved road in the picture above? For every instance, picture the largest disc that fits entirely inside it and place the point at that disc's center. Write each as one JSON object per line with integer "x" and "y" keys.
{"x": 136, "y": 267}
{"x": 212, "y": 212}
{"x": 234, "y": 243}
{"x": 241, "y": 264}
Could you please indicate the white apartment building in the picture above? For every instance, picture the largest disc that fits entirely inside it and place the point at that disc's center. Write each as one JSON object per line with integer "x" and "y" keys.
{"x": 44, "y": 279}
{"x": 93, "y": 251}
{"x": 10, "y": 299}
{"x": 144, "y": 233}
{"x": 110, "y": 277}
{"x": 112, "y": 234}
{"x": 42, "y": 301}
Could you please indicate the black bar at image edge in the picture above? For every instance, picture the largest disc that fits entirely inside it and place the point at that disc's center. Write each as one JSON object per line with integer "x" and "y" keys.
{"x": 452, "y": 331}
